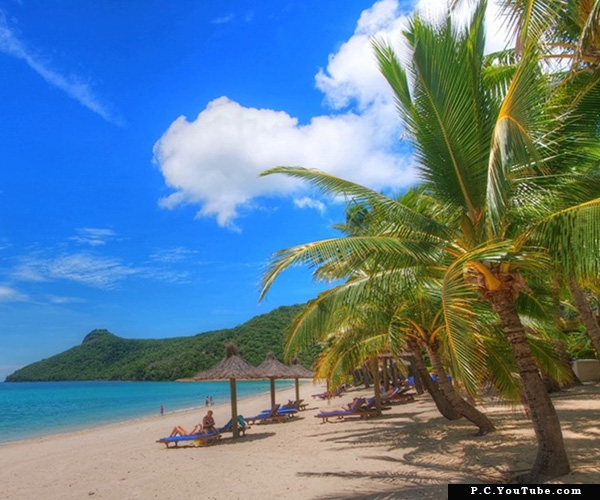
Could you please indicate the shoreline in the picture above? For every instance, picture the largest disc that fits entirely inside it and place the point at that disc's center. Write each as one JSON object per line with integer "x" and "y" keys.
{"x": 142, "y": 418}
{"x": 410, "y": 453}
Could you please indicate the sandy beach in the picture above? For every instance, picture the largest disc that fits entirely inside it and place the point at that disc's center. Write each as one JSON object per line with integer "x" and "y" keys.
{"x": 409, "y": 453}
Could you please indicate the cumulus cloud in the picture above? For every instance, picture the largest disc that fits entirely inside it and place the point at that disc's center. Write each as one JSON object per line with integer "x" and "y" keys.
{"x": 213, "y": 161}
{"x": 9, "y": 294}
{"x": 73, "y": 86}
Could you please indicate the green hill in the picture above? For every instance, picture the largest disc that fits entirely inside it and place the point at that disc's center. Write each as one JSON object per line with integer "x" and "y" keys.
{"x": 104, "y": 356}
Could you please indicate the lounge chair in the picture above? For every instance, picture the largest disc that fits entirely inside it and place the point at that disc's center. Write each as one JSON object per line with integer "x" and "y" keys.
{"x": 270, "y": 415}
{"x": 197, "y": 439}
{"x": 242, "y": 426}
{"x": 300, "y": 405}
{"x": 328, "y": 394}
{"x": 371, "y": 404}
{"x": 287, "y": 409}
{"x": 354, "y": 410}
{"x": 398, "y": 395}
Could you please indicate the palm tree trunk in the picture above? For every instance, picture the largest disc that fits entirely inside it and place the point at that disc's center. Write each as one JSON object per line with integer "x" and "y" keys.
{"x": 366, "y": 378}
{"x": 587, "y": 317}
{"x": 415, "y": 373}
{"x": 440, "y": 400}
{"x": 551, "y": 460}
{"x": 468, "y": 411}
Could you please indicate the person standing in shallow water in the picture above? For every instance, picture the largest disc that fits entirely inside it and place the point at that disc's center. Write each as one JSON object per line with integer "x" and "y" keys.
{"x": 162, "y": 410}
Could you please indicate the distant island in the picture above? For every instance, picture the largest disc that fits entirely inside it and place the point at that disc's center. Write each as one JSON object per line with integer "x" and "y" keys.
{"x": 105, "y": 356}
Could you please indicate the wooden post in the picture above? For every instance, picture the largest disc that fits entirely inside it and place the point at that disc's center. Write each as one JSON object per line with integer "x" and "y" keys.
{"x": 376, "y": 387}
{"x": 234, "y": 412}
{"x": 297, "y": 394}
{"x": 272, "y": 383}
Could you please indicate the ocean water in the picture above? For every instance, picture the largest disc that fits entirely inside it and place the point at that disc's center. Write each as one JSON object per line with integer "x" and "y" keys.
{"x": 34, "y": 409}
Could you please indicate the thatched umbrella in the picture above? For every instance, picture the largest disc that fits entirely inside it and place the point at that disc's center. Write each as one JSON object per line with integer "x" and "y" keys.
{"x": 299, "y": 371}
{"x": 231, "y": 368}
{"x": 271, "y": 368}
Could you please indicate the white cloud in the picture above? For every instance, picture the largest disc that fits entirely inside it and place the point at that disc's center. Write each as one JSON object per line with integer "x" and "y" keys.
{"x": 306, "y": 202}
{"x": 59, "y": 300}
{"x": 214, "y": 160}
{"x": 8, "y": 294}
{"x": 72, "y": 85}
{"x": 83, "y": 268}
{"x": 223, "y": 20}
{"x": 93, "y": 236}
{"x": 172, "y": 255}
{"x": 104, "y": 272}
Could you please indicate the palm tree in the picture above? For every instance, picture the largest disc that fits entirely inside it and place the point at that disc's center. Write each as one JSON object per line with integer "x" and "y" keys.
{"x": 568, "y": 31}
{"x": 484, "y": 138}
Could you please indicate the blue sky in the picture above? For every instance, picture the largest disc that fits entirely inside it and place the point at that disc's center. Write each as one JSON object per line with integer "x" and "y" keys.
{"x": 132, "y": 135}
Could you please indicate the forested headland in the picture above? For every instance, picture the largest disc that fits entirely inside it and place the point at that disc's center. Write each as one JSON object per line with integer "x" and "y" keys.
{"x": 105, "y": 356}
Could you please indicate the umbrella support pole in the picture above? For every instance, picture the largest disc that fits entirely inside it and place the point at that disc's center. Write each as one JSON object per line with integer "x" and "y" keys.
{"x": 234, "y": 412}
{"x": 272, "y": 383}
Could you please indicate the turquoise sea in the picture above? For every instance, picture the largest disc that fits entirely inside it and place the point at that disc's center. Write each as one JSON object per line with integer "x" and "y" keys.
{"x": 34, "y": 409}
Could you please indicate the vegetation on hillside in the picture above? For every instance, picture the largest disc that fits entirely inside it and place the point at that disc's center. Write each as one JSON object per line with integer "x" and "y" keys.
{"x": 104, "y": 356}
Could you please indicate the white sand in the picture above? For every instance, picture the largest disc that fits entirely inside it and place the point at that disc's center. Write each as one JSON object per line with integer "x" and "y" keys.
{"x": 409, "y": 453}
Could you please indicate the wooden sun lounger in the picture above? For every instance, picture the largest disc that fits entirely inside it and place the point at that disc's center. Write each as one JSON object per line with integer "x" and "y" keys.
{"x": 269, "y": 416}
{"x": 356, "y": 410}
{"x": 195, "y": 439}
{"x": 399, "y": 396}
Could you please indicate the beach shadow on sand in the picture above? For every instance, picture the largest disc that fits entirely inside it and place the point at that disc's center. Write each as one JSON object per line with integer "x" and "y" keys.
{"x": 227, "y": 441}
{"x": 420, "y": 453}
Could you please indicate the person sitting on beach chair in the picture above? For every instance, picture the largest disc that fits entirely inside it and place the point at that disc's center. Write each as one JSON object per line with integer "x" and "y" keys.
{"x": 208, "y": 423}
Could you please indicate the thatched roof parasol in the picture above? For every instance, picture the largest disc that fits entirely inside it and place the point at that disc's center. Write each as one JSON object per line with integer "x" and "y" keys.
{"x": 299, "y": 371}
{"x": 272, "y": 368}
{"x": 231, "y": 367}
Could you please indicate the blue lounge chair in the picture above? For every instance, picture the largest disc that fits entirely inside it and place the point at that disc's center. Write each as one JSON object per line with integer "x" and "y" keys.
{"x": 354, "y": 410}
{"x": 288, "y": 409}
{"x": 242, "y": 426}
{"x": 270, "y": 415}
{"x": 398, "y": 395}
{"x": 197, "y": 439}
{"x": 371, "y": 404}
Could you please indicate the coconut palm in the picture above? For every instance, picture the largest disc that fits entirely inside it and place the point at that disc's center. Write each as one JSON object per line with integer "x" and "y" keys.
{"x": 486, "y": 140}
{"x": 570, "y": 31}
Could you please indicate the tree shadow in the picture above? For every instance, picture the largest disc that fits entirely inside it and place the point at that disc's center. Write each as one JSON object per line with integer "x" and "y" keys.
{"x": 420, "y": 454}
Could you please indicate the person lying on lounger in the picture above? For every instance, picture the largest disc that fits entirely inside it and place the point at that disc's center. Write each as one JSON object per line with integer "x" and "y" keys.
{"x": 347, "y": 407}
{"x": 180, "y": 431}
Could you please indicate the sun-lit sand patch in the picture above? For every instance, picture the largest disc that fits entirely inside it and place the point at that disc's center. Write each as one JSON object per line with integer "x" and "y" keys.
{"x": 410, "y": 452}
